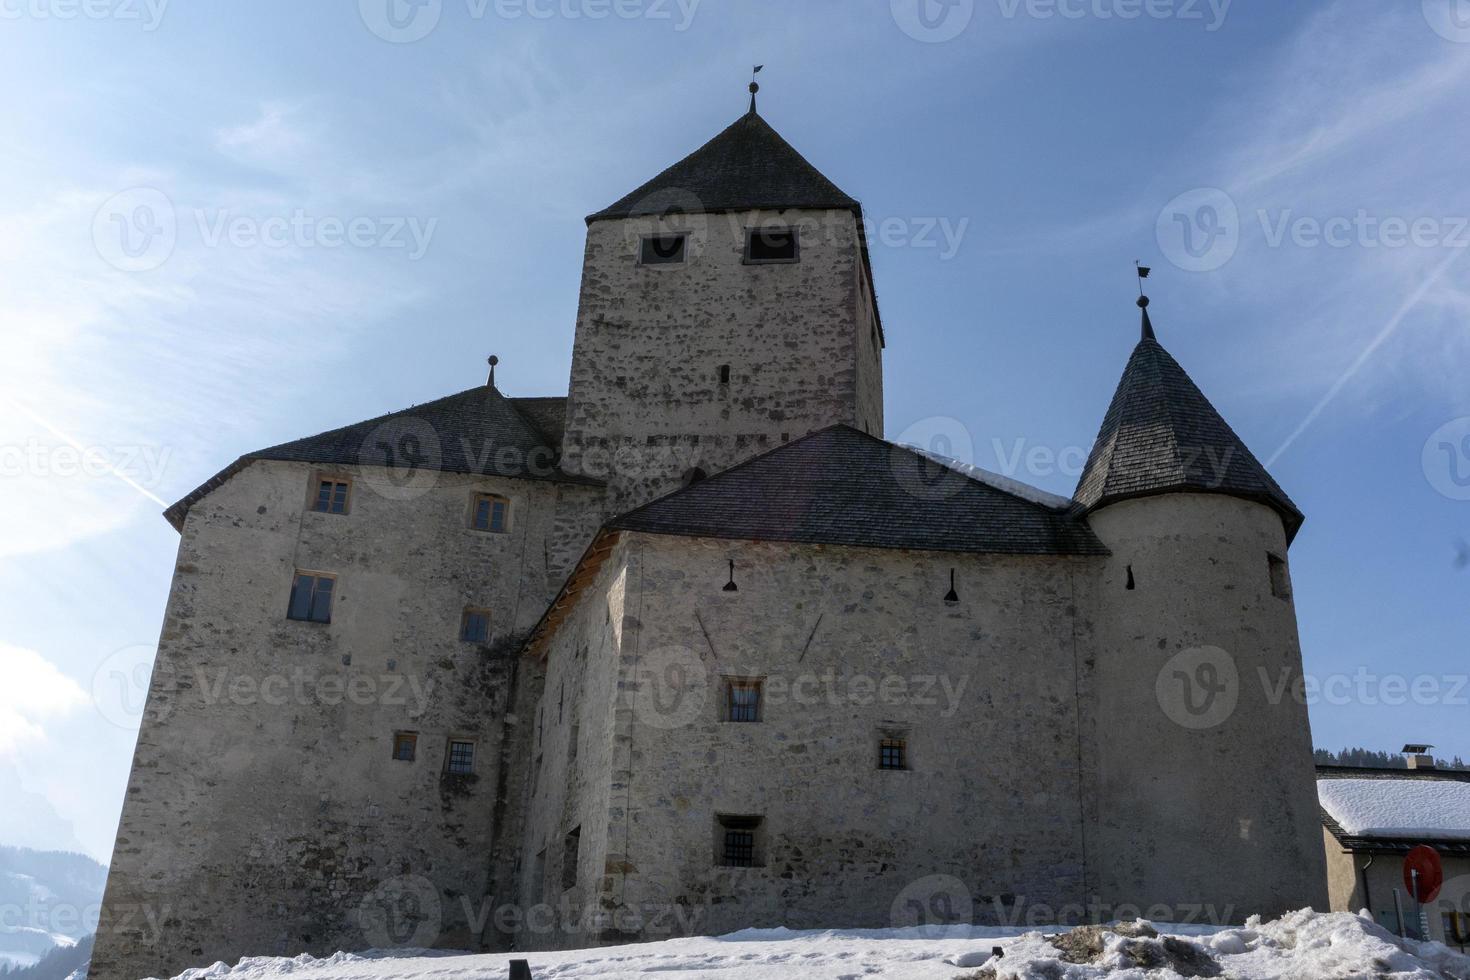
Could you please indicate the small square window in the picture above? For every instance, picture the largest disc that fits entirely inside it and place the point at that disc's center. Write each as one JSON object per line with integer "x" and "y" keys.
{"x": 765, "y": 246}
{"x": 663, "y": 249}
{"x": 893, "y": 753}
{"x": 737, "y": 843}
{"x": 461, "y": 758}
{"x": 405, "y": 746}
{"x": 742, "y": 700}
{"x": 332, "y": 495}
{"x": 474, "y": 626}
{"x": 311, "y": 598}
{"x": 490, "y": 513}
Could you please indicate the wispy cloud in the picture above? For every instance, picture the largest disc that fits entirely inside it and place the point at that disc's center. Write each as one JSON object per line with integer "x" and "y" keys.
{"x": 34, "y": 693}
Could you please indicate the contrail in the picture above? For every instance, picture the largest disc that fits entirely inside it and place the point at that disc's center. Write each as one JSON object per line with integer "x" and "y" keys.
{"x": 82, "y": 449}
{"x": 1384, "y": 334}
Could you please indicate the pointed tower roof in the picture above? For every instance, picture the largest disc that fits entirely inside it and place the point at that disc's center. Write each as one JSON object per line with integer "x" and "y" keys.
{"x": 1162, "y": 435}
{"x": 747, "y": 166}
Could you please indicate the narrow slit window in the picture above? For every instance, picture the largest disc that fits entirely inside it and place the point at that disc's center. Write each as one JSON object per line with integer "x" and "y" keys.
{"x": 311, "y": 598}
{"x": 767, "y": 246}
{"x": 724, "y": 374}
{"x": 474, "y": 625}
{"x": 461, "y": 758}
{"x": 1280, "y": 577}
{"x": 491, "y": 513}
{"x": 332, "y": 495}
{"x": 405, "y": 746}
{"x": 571, "y": 851}
{"x": 663, "y": 249}
{"x": 1130, "y": 586}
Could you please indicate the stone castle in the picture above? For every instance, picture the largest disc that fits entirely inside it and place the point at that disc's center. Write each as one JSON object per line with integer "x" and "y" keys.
{"x": 693, "y": 648}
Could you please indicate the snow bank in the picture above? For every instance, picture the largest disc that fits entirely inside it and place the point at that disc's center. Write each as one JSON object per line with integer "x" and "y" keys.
{"x": 1431, "y": 808}
{"x": 1304, "y": 945}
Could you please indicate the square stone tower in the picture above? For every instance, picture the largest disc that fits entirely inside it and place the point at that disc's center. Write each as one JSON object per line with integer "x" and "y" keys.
{"x": 726, "y": 307}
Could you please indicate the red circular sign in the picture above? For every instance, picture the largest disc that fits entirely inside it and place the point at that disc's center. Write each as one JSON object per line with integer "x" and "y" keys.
{"x": 1424, "y": 860}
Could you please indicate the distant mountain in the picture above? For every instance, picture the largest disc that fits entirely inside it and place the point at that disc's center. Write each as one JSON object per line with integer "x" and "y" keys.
{"x": 51, "y": 900}
{"x": 27, "y": 818}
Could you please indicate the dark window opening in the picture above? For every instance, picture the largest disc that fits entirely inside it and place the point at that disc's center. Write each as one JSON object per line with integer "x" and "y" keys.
{"x": 663, "y": 249}
{"x": 771, "y": 245}
{"x": 570, "y": 848}
{"x": 743, "y": 701}
{"x": 1280, "y": 578}
{"x": 694, "y": 476}
{"x": 737, "y": 841}
{"x": 331, "y": 497}
{"x": 474, "y": 626}
{"x": 461, "y": 758}
{"x": 311, "y": 598}
{"x": 724, "y": 374}
{"x": 490, "y": 513}
{"x": 1131, "y": 585}
{"x": 893, "y": 753}
{"x": 405, "y": 746}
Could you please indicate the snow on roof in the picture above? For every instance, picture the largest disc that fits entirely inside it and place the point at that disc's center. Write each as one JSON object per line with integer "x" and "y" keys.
{"x": 1411, "y": 807}
{"x": 1005, "y": 484}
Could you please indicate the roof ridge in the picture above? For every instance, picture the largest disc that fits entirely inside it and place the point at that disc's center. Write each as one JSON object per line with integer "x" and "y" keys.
{"x": 377, "y": 418}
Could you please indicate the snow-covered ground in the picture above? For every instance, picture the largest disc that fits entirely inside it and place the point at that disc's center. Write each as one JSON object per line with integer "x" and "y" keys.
{"x": 1302, "y": 946}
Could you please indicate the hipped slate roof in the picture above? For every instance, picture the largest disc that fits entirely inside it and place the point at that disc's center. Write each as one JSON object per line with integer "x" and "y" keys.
{"x": 476, "y": 431}
{"x": 1161, "y": 435}
{"x": 748, "y": 166}
{"x": 841, "y": 486}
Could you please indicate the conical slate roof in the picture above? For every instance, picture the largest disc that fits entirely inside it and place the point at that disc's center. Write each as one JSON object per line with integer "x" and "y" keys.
{"x": 1161, "y": 435}
{"x": 748, "y": 166}
{"x": 844, "y": 487}
{"x": 476, "y": 431}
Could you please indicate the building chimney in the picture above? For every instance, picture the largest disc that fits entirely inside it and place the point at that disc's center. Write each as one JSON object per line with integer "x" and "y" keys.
{"x": 1417, "y": 756}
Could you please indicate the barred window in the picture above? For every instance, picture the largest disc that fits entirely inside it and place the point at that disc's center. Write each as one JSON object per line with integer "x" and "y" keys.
{"x": 311, "y": 598}
{"x": 405, "y": 746}
{"x": 893, "y": 753}
{"x": 474, "y": 625}
{"x": 331, "y": 496}
{"x": 491, "y": 513}
{"x": 461, "y": 758}
{"x": 738, "y": 841}
{"x": 743, "y": 701}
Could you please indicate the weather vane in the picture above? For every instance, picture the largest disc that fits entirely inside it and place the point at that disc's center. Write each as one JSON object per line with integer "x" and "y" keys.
{"x": 754, "y": 85}
{"x": 1143, "y": 272}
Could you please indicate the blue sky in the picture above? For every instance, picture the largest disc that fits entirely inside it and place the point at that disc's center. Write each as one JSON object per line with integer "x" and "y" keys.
{"x": 1294, "y": 173}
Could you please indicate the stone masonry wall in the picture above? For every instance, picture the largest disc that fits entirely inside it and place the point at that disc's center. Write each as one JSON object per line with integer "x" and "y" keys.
{"x": 850, "y": 644}
{"x": 265, "y": 813}
{"x": 1207, "y": 791}
{"x": 646, "y": 405}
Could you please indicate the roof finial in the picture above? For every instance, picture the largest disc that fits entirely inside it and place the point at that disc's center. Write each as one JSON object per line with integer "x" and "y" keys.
{"x": 1148, "y": 327}
{"x": 494, "y": 360}
{"x": 754, "y": 86}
